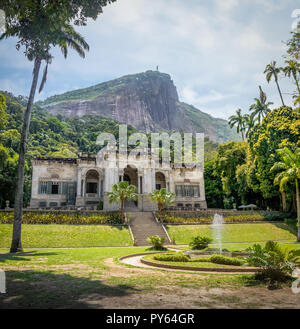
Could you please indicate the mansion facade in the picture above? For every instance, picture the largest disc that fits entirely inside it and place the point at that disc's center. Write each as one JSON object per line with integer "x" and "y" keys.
{"x": 84, "y": 181}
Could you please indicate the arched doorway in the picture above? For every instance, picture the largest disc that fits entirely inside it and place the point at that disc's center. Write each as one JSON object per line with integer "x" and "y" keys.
{"x": 131, "y": 175}
{"x": 92, "y": 182}
{"x": 160, "y": 181}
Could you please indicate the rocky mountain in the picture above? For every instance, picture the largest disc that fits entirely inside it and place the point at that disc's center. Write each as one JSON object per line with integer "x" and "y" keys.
{"x": 148, "y": 101}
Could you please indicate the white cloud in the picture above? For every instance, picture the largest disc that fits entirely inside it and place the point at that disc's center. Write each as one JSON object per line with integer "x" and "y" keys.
{"x": 226, "y": 4}
{"x": 190, "y": 96}
{"x": 215, "y": 51}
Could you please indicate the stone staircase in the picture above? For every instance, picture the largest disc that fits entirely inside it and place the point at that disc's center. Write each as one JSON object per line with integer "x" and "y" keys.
{"x": 130, "y": 206}
{"x": 143, "y": 225}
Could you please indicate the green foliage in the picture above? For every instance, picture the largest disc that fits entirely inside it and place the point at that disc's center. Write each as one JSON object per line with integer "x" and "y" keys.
{"x": 213, "y": 186}
{"x": 216, "y": 259}
{"x": 275, "y": 217}
{"x": 165, "y": 218}
{"x": 292, "y": 222}
{"x": 100, "y": 205}
{"x": 220, "y": 259}
{"x": 178, "y": 257}
{"x": 230, "y": 156}
{"x": 293, "y": 44}
{"x": 56, "y": 217}
{"x": 157, "y": 242}
{"x": 162, "y": 197}
{"x": 238, "y": 121}
{"x": 279, "y": 129}
{"x": 3, "y": 114}
{"x": 275, "y": 263}
{"x": 200, "y": 242}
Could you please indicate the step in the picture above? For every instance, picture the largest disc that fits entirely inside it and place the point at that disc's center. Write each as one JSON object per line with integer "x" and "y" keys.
{"x": 144, "y": 225}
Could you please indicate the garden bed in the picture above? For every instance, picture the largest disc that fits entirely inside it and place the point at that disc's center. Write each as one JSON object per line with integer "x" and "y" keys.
{"x": 196, "y": 266}
{"x": 64, "y": 217}
{"x": 195, "y": 218}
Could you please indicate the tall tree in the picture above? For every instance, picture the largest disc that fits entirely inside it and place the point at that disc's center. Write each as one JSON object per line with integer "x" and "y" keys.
{"x": 289, "y": 168}
{"x": 292, "y": 68}
{"x": 249, "y": 121}
{"x": 272, "y": 70}
{"x": 39, "y": 26}
{"x": 261, "y": 107}
{"x": 238, "y": 121}
{"x": 293, "y": 44}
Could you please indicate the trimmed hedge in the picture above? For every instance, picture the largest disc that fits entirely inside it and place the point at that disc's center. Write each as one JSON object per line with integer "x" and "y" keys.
{"x": 220, "y": 259}
{"x": 208, "y": 220}
{"x": 75, "y": 218}
{"x": 172, "y": 258}
{"x": 216, "y": 259}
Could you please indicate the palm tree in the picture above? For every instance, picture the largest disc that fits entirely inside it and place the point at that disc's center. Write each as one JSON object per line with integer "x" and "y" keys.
{"x": 64, "y": 38}
{"x": 249, "y": 120}
{"x": 162, "y": 198}
{"x": 260, "y": 108}
{"x": 238, "y": 121}
{"x": 272, "y": 70}
{"x": 290, "y": 172}
{"x": 122, "y": 192}
{"x": 292, "y": 69}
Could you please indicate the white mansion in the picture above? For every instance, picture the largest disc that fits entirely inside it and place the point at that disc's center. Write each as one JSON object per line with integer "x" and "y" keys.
{"x": 82, "y": 182}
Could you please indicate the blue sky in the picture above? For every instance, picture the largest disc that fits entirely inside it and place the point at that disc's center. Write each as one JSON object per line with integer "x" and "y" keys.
{"x": 215, "y": 51}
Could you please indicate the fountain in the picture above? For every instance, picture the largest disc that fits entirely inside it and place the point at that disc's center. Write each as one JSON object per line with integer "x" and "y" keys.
{"x": 217, "y": 227}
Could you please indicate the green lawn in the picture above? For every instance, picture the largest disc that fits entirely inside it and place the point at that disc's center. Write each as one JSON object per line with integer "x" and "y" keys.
{"x": 54, "y": 235}
{"x": 183, "y": 234}
{"x": 88, "y": 278}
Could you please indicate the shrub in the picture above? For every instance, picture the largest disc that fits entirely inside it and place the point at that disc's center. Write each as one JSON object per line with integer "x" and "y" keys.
{"x": 220, "y": 259}
{"x": 273, "y": 217}
{"x": 178, "y": 257}
{"x": 200, "y": 242}
{"x": 165, "y": 218}
{"x": 100, "y": 205}
{"x": 292, "y": 222}
{"x": 157, "y": 242}
{"x": 275, "y": 263}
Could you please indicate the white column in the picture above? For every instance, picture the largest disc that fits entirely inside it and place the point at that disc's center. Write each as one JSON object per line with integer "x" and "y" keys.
{"x": 84, "y": 188}
{"x": 79, "y": 182}
{"x": 139, "y": 187}
{"x": 143, "y": 184}
{"x": 153, "y": 179}
{"x": 99, "y": 187}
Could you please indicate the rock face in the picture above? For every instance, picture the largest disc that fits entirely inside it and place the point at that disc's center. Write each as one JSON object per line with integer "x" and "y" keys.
{"x": 148, "y": 101}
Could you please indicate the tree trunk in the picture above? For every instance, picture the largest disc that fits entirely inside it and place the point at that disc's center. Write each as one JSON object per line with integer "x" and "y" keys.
{"x": 280, "y": 92}
{"x": 283, "y": 200}
{"x": 16, "y": 239}
{"x": 298, "y": 209}
{"x": 160, "y": 208}
{"x": 122, "y": 209}
{"x": 297, "y": 84}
